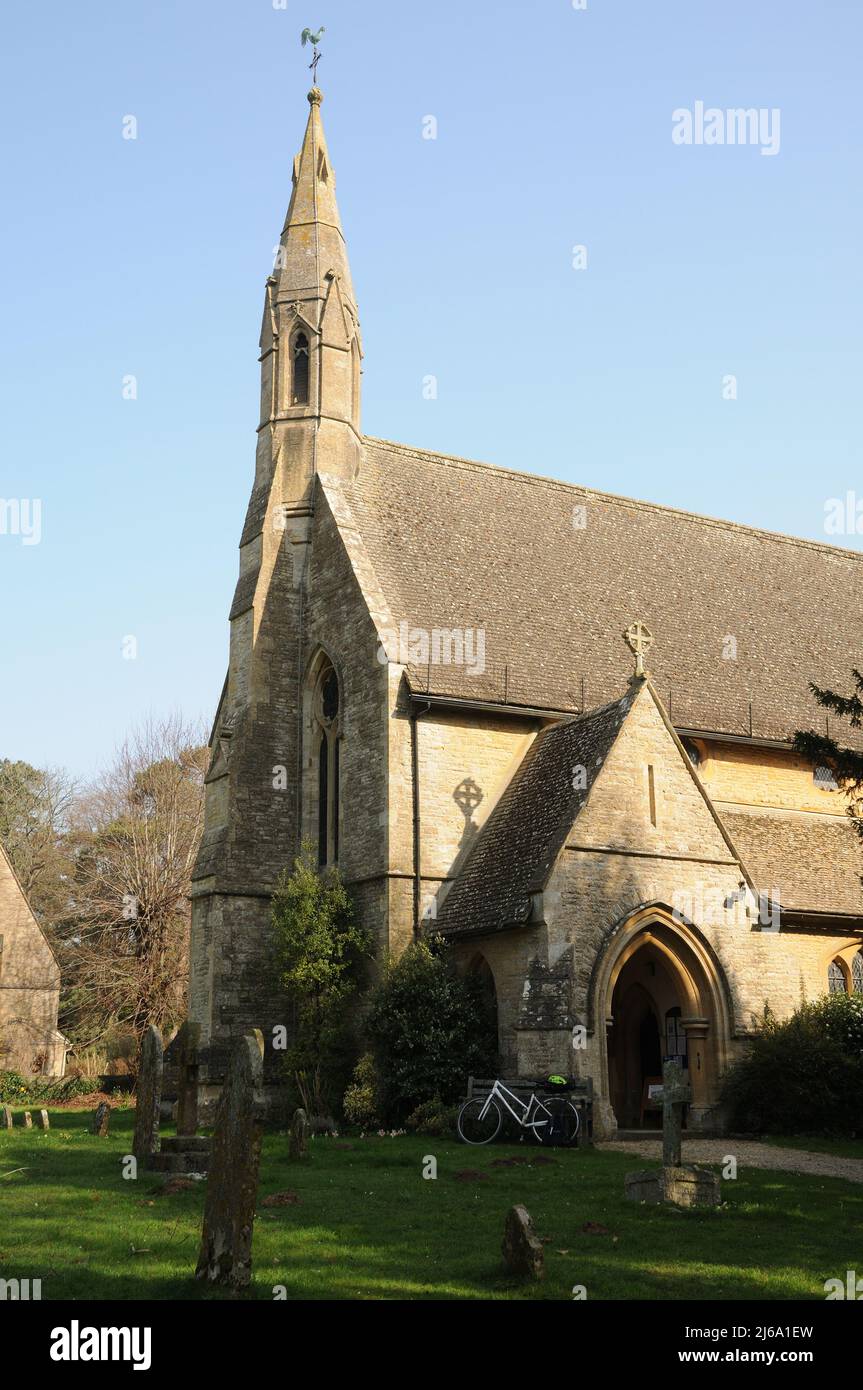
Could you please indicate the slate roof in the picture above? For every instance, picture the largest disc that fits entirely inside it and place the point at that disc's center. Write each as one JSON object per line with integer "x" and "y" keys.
{"x": 814, "y": 862}
{"x": 458, "y": 544}
{"x": 515, "y": 849}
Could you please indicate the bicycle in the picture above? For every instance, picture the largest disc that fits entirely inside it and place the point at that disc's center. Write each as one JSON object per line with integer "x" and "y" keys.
{"x": 551, "y": 1119}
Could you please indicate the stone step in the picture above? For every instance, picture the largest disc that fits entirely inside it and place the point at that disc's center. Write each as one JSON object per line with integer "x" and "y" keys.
{"x": 179, "y": 1163}
{"x": 186, "y": 1143}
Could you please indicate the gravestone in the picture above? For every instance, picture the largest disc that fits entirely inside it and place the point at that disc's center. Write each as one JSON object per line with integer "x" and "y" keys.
{"x": 101, "y": 1119}
{"x": 232, "y": 1189}
{"x": 42, "y": 1120}
{"x": 187, "y": 1043}
{"x": 675, "y": 1184}
{"x": 186, "y": 1151}
{"x": 522, "y": 1249}
{"x": 28, "y": 1120}
{"x": 298, "y": 1148}
{"x": 148, "y": 1097}
{"x": 7, "y": 1117}
{"x": 674, "y": 1096}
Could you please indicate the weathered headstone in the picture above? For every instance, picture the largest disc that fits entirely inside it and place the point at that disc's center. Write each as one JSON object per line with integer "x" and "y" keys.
{"x": 42, "y": 1120}
{"x": 522, "y": 1249}
{"x": 188, "y": 1040}
{"x": 7, "y": 1121}
{"x": 687, "y": 1186}
{"x": 28, "y": 1120}
{"x": 232, "y": 1188}
{"x": 148, "y": 1097}
{"x": 298, "y": 1148}
{"x": 101, "y": 1119}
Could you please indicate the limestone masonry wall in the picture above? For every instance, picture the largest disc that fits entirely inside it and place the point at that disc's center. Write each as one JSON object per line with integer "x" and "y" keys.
{"x": 29, "y": 986}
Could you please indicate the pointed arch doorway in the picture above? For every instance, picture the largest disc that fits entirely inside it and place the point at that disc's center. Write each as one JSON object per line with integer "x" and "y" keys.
{"x": 480, "y": 972}
{"x": 662, "y": 996}
{"x": 645, "y": 1007}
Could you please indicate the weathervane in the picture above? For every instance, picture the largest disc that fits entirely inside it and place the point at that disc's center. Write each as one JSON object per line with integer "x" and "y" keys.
{"x": 639, "y": 639}
{"x": 314, "y": 39}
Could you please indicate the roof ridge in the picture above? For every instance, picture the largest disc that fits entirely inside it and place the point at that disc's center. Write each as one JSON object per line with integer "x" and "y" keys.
{"x": 541, "y": 479}
{"x": 581, "y": 715}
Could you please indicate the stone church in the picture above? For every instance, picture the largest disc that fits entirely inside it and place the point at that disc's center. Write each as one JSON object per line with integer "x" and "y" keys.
{"x": 429, "y": 680}
{"x": 29, "y": 986}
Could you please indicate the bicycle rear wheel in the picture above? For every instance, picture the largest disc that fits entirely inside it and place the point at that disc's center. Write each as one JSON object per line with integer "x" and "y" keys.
{"x": 472, "y": 1129}
{"x": 559, "y": 1122}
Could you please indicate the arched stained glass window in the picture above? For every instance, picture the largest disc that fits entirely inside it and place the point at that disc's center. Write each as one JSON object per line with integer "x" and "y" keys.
{"x": 857, "y": 973}
{"x": 836, "y": 978}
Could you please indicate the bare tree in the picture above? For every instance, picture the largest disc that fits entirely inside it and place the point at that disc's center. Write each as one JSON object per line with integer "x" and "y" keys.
{"x": 136, "y": 832}
{"x": 34, "y": 811}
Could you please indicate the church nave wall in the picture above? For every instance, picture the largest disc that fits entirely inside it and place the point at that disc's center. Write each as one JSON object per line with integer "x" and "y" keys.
{"x": 465, "y": 762}
{"x": 747, "y": 775}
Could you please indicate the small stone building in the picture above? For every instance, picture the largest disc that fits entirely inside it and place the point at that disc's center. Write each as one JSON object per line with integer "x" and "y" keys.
{"x": 427, "y": 680}
{"x": 29, "y": 986}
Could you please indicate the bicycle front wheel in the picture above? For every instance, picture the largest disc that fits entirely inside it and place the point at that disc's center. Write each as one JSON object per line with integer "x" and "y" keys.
{"x": 556, "y": 1121}
{"x": 475, "y": 1130}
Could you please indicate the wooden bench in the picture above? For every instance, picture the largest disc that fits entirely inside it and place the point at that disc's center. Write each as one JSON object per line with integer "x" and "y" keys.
{"x": 579, "y": 1092}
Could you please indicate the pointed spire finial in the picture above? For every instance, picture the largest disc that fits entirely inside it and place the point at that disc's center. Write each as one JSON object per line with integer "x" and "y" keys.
{"x": 639, "y": 639}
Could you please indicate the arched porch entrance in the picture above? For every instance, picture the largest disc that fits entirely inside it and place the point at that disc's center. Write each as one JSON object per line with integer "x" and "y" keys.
{"x": 660, "y": 994}
{"x": 480, "y": 972}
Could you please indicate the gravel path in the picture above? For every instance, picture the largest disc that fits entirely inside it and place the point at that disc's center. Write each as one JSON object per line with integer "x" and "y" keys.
{"x": 749, "y": 1154}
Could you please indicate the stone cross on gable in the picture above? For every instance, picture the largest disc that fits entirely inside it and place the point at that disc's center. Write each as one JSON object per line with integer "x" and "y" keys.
{"x": 674, "y": 1096}
{"x": 639, "y": 639}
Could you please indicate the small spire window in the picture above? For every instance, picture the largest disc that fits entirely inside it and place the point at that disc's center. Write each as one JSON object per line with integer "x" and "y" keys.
{"x": 300, "y": 370}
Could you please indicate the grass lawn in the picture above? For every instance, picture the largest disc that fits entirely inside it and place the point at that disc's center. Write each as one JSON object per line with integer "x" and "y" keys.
{"x": 840, "y": 1148}
{"x": 368, "y": 1226}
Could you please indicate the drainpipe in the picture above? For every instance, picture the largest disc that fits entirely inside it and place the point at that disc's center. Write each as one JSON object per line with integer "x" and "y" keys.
{"x": 415, "y": 788}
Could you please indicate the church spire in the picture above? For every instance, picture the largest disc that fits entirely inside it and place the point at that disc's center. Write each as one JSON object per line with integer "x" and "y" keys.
{"x": 310, "y": 340}
{"x": 312, "y": 241}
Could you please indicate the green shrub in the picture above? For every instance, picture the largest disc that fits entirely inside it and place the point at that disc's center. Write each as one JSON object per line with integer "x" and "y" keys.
{"x": 361, "y": 1103}
{"x": 68, "y": 1088}
{"x": 36, "y": 1090}
{"x": 13, "y": 1088}
{"x": 804, "y": 1074}
{"x": 841, "y": 1016}
{"x": 433, "y": 1118}
{"x": 430, "y": 1029}
{"x": 319, "y": 949}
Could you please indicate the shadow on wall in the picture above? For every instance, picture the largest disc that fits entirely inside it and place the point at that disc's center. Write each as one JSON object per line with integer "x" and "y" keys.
{"x": 467, "y": 797}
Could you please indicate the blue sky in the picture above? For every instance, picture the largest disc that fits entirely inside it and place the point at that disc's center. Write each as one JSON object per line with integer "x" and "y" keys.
{"x": 148, "y": 257}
